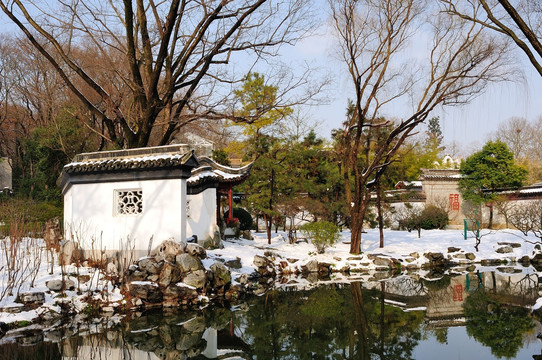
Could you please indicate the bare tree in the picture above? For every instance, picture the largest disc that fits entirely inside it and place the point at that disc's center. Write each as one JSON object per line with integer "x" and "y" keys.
{"x": 373, "y": 36}
{"x": 518, "y": 134}
{"x": 527, "y": 217}
{"x": 521, "y": 22}
{"x": 162, "y": 64}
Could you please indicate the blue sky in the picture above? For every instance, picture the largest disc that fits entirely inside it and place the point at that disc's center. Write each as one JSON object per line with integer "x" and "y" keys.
{"x": 469, "y": 125}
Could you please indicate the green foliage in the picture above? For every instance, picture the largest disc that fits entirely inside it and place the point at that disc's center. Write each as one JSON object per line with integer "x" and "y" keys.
{"x": 433, "y": 217}
{"x": 496, "y": 324}
{"x": 34, "y": 214}
{"x": 245, "y": 219}
{"x": 321, "y": 323}
{"x": 323, "y": 234}
{"x": 221, "y": 157}
{"x": 45, "y": 153}
{"x": 324, "y": 304}
{"x": 487, "y": 170}
{"x": 258, "y": 104}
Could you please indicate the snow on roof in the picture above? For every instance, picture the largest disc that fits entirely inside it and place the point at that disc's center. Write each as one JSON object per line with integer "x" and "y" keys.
{"x": 440, "y": 174}
{"x": 142, "y": 158}
{"x": 212, "y": 171}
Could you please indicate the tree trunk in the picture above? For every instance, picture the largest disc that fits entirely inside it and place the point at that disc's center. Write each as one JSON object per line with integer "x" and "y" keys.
{"x": 360, "y": 322}
{"x": 357, "y": 215}
{"x": 268, "y": 224}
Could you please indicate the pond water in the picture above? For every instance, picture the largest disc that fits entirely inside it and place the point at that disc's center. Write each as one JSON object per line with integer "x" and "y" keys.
{"x": 468, "y": 316}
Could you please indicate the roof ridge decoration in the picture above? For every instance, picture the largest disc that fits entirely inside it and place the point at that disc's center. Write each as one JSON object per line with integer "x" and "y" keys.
{"x": 210, "y": 171}
{"x": 231, "y": 170}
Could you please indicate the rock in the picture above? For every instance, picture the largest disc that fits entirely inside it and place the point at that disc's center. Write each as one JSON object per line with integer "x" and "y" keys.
{"x": 195, "y": 279}
{"x": 292, "y": 261}
{"x": 525, "y": 261}
{"x": 460, "y": 256}
{"x": 379, "y": 261}
{"x": 179, "y": 293}
{"x": 150, "y": 265}
{"x": 59, "y": 285}
{"x": 222, "y": 275}
{"x": 234, "y": 264}
{"x": 512, "y": 244}
{"x": 170, "y": 274}
{"x": 260, "y": 261}
{"x": 246, "y": 234}
{"x": 196, "y": 250}
{"x": 452, "y": 249}
{"x": 32, "y": 298}
{"x": 69, "y": 253}
{"x": 436, "y": 260}
{"x": 491, "y": 262}
{"x": 195, "y": 325}
{"x": 138, "y": 276}
{"x": 188, "y": 263}
{"x": 415, "y": 255}
{"x": 324, "y": 269}
{"x": 168, "y": 250}
{"x": 311, "y": 266}
{"x": 508, "y": 270}
{"x": 537, "y": 259}
{"x": 230, "y": 233}
{"x": 145, "y": 291}
{"x": 504, "y": 250}
{"x": 470, "y": 256}
{"x": 112, "y": 268}
{"x": 243, "y": 279}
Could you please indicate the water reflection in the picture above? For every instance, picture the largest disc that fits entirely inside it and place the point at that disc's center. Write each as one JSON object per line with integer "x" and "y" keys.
{"x": 402, "y": 318}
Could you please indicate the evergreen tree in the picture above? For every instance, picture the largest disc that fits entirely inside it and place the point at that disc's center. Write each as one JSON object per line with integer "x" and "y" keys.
{"x": 488, "y": 170}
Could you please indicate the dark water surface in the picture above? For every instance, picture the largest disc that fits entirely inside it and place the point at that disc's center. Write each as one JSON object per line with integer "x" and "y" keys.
{"x": 468, "y": 316}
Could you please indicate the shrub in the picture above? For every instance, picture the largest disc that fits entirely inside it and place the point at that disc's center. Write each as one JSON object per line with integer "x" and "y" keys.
{"x": 322, "y": 234}
{"x": 32, "y": 213}
{"x": 245, "y": 219}
{"x": 433, "y": 217}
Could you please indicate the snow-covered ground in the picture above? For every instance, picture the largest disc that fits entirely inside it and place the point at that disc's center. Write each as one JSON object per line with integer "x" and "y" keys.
{"x": 398, "y": 245}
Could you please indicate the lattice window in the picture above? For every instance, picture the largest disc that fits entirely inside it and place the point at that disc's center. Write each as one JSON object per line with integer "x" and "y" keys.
{"x": 129, "y": 202}
{"x": 188, "y": 212}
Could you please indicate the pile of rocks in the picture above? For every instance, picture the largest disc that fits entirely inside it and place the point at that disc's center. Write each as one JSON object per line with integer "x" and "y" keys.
{"x": 174, "y": 276}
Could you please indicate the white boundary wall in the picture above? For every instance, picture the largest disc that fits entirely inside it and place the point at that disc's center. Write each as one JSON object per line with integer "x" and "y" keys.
{"x": 90, "y": 215}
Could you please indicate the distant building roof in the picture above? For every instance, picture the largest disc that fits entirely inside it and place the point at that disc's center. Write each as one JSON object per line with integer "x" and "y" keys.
{"x": 440, "y": 175}
{"x": 413, "y": 185}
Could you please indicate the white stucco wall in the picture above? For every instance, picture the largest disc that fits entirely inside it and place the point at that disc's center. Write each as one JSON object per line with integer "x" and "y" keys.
{"x": 438, "y": 193}
{"x": 90, "y": 214}
{"x": 201, "y": 220}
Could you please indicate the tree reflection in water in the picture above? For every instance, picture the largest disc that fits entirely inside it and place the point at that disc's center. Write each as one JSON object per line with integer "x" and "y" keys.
{"x": 334, "y": 321}
{"x": 496, "y": 324}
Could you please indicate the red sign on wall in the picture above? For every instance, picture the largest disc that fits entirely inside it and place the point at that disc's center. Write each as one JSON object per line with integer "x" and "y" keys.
{"x": 458, "y": 292}
{"x": 454, "y": 202}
